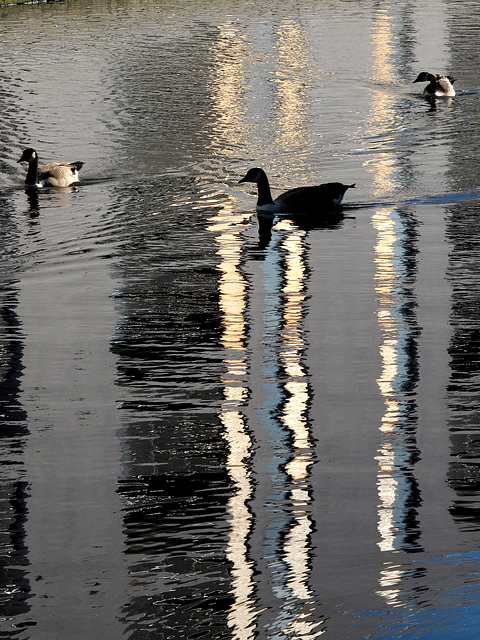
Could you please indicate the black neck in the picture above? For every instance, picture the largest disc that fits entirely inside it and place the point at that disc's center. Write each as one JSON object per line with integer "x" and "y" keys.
{"x": 32, "y": 173}
{"x": 264, "y": 195}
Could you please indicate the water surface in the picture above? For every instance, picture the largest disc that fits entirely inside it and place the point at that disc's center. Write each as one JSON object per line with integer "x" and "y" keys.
{"x": 219, "y": 426}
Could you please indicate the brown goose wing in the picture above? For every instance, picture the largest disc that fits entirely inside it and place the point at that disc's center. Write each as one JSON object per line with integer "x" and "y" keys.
{"x": 60, "y": 174}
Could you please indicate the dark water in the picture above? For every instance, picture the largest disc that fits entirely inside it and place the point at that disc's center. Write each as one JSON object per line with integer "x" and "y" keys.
{"x": 215, "y": 427}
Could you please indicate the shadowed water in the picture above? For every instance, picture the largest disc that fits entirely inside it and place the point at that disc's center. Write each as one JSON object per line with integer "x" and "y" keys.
{"x": 222, "y": 425}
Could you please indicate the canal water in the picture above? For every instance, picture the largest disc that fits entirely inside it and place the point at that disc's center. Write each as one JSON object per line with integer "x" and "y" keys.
{"x": 218, "y": 426}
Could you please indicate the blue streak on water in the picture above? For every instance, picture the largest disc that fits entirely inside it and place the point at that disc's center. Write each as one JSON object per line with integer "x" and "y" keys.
{"x": 455, "y": 612}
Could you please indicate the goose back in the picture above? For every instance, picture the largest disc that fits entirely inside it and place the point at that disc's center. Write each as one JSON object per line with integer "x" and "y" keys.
{"x": 322, "y": 197}
{"x": 59, "y": 174}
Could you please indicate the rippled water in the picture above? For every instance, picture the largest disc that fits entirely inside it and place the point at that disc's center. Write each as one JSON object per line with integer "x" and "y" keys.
{"x": 221, "y": 426}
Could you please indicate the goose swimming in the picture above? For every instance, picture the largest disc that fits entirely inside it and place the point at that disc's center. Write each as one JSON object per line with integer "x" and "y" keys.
{"x": 56, "y": 174}
{"x": 438, "y": 85}
{"x": 319, "y": 198}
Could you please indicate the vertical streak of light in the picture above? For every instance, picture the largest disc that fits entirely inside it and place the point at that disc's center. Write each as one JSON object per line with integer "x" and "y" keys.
{"x": 294, "y": 417}
{"x": 386, "y": 280}
{"x": 284, "y": 309}
{"x": 386, "y": 277}
{"x": 226, "y": 88}
{"x": 233, "y": 296}
{"x": 383, "y": 52}
{"x": 288, "y": 546}
{"x": 292, "y": 71}
{"x": 396, "y": 267}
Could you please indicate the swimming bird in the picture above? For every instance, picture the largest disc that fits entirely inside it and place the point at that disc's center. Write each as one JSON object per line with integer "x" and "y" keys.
{"x": 438, "y": 85}
{"x": 319, "y": 198}
{"x": 56, "y": 174}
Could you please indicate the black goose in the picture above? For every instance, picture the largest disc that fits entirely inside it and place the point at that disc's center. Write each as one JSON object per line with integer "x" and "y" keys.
{"x": 56, "y": 174}
{"x": 319, "y": 198}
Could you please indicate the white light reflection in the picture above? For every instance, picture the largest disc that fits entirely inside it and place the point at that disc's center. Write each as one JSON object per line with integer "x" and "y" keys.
{"x": 394, "y": 477}
{"x": 390, "y": 582}
{"x": 288, "y": 545}
{"x": 298, "y": 616}
{"x": 287, "y": 518}
{"x": 233, "y": 296}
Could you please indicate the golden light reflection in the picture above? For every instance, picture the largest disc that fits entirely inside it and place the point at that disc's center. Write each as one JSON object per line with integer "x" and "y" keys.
{"x": 290, "y": 79}
{"x": 234, "y": 289}
{"x": 295, "y": 408}
{"x": 385, "y": 282}
{"x": 297, "y": 557}
{"x": 382, "y": 165}
{"x": 241, "y": 616}
{"x": 227, "y": 89}
{"x": 384, "y": 169}
{"x": 383, "y": 34}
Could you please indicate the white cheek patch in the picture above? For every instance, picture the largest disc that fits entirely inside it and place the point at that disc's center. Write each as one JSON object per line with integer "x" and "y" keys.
{"x": 268, "y": 208}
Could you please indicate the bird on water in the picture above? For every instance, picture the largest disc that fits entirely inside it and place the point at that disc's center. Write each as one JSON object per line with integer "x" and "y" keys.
{"x": 438, "y": 85}
{"x": 322, "y": 198}
{"x": 55, "y": 174}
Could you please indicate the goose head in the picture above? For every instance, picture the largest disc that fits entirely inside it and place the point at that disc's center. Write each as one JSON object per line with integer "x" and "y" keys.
{"x": 424, "y": 76}
{"x": 253, "y": 175}
{"x": 29, "y": 155}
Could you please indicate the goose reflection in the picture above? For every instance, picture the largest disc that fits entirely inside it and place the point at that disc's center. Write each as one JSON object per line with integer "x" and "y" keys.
{"x": 304, "y": 222}
{"x": 265, "y": 224}
{"x": 434, "y": 103}
{"x": 53, "y": 195}
{"x": 33, "y": 204}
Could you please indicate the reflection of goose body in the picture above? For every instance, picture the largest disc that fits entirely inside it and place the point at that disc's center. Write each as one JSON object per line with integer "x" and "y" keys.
{"x": 438, "y": 85}
{"x": 56, "y": 174}
{"x": 320, "y": 198}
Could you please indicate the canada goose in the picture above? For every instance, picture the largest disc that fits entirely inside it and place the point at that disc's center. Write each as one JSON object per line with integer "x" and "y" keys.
{"x": 320, "y": 198}
{"x": 56, "y": 174}
{"x": 438, "y": 85}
